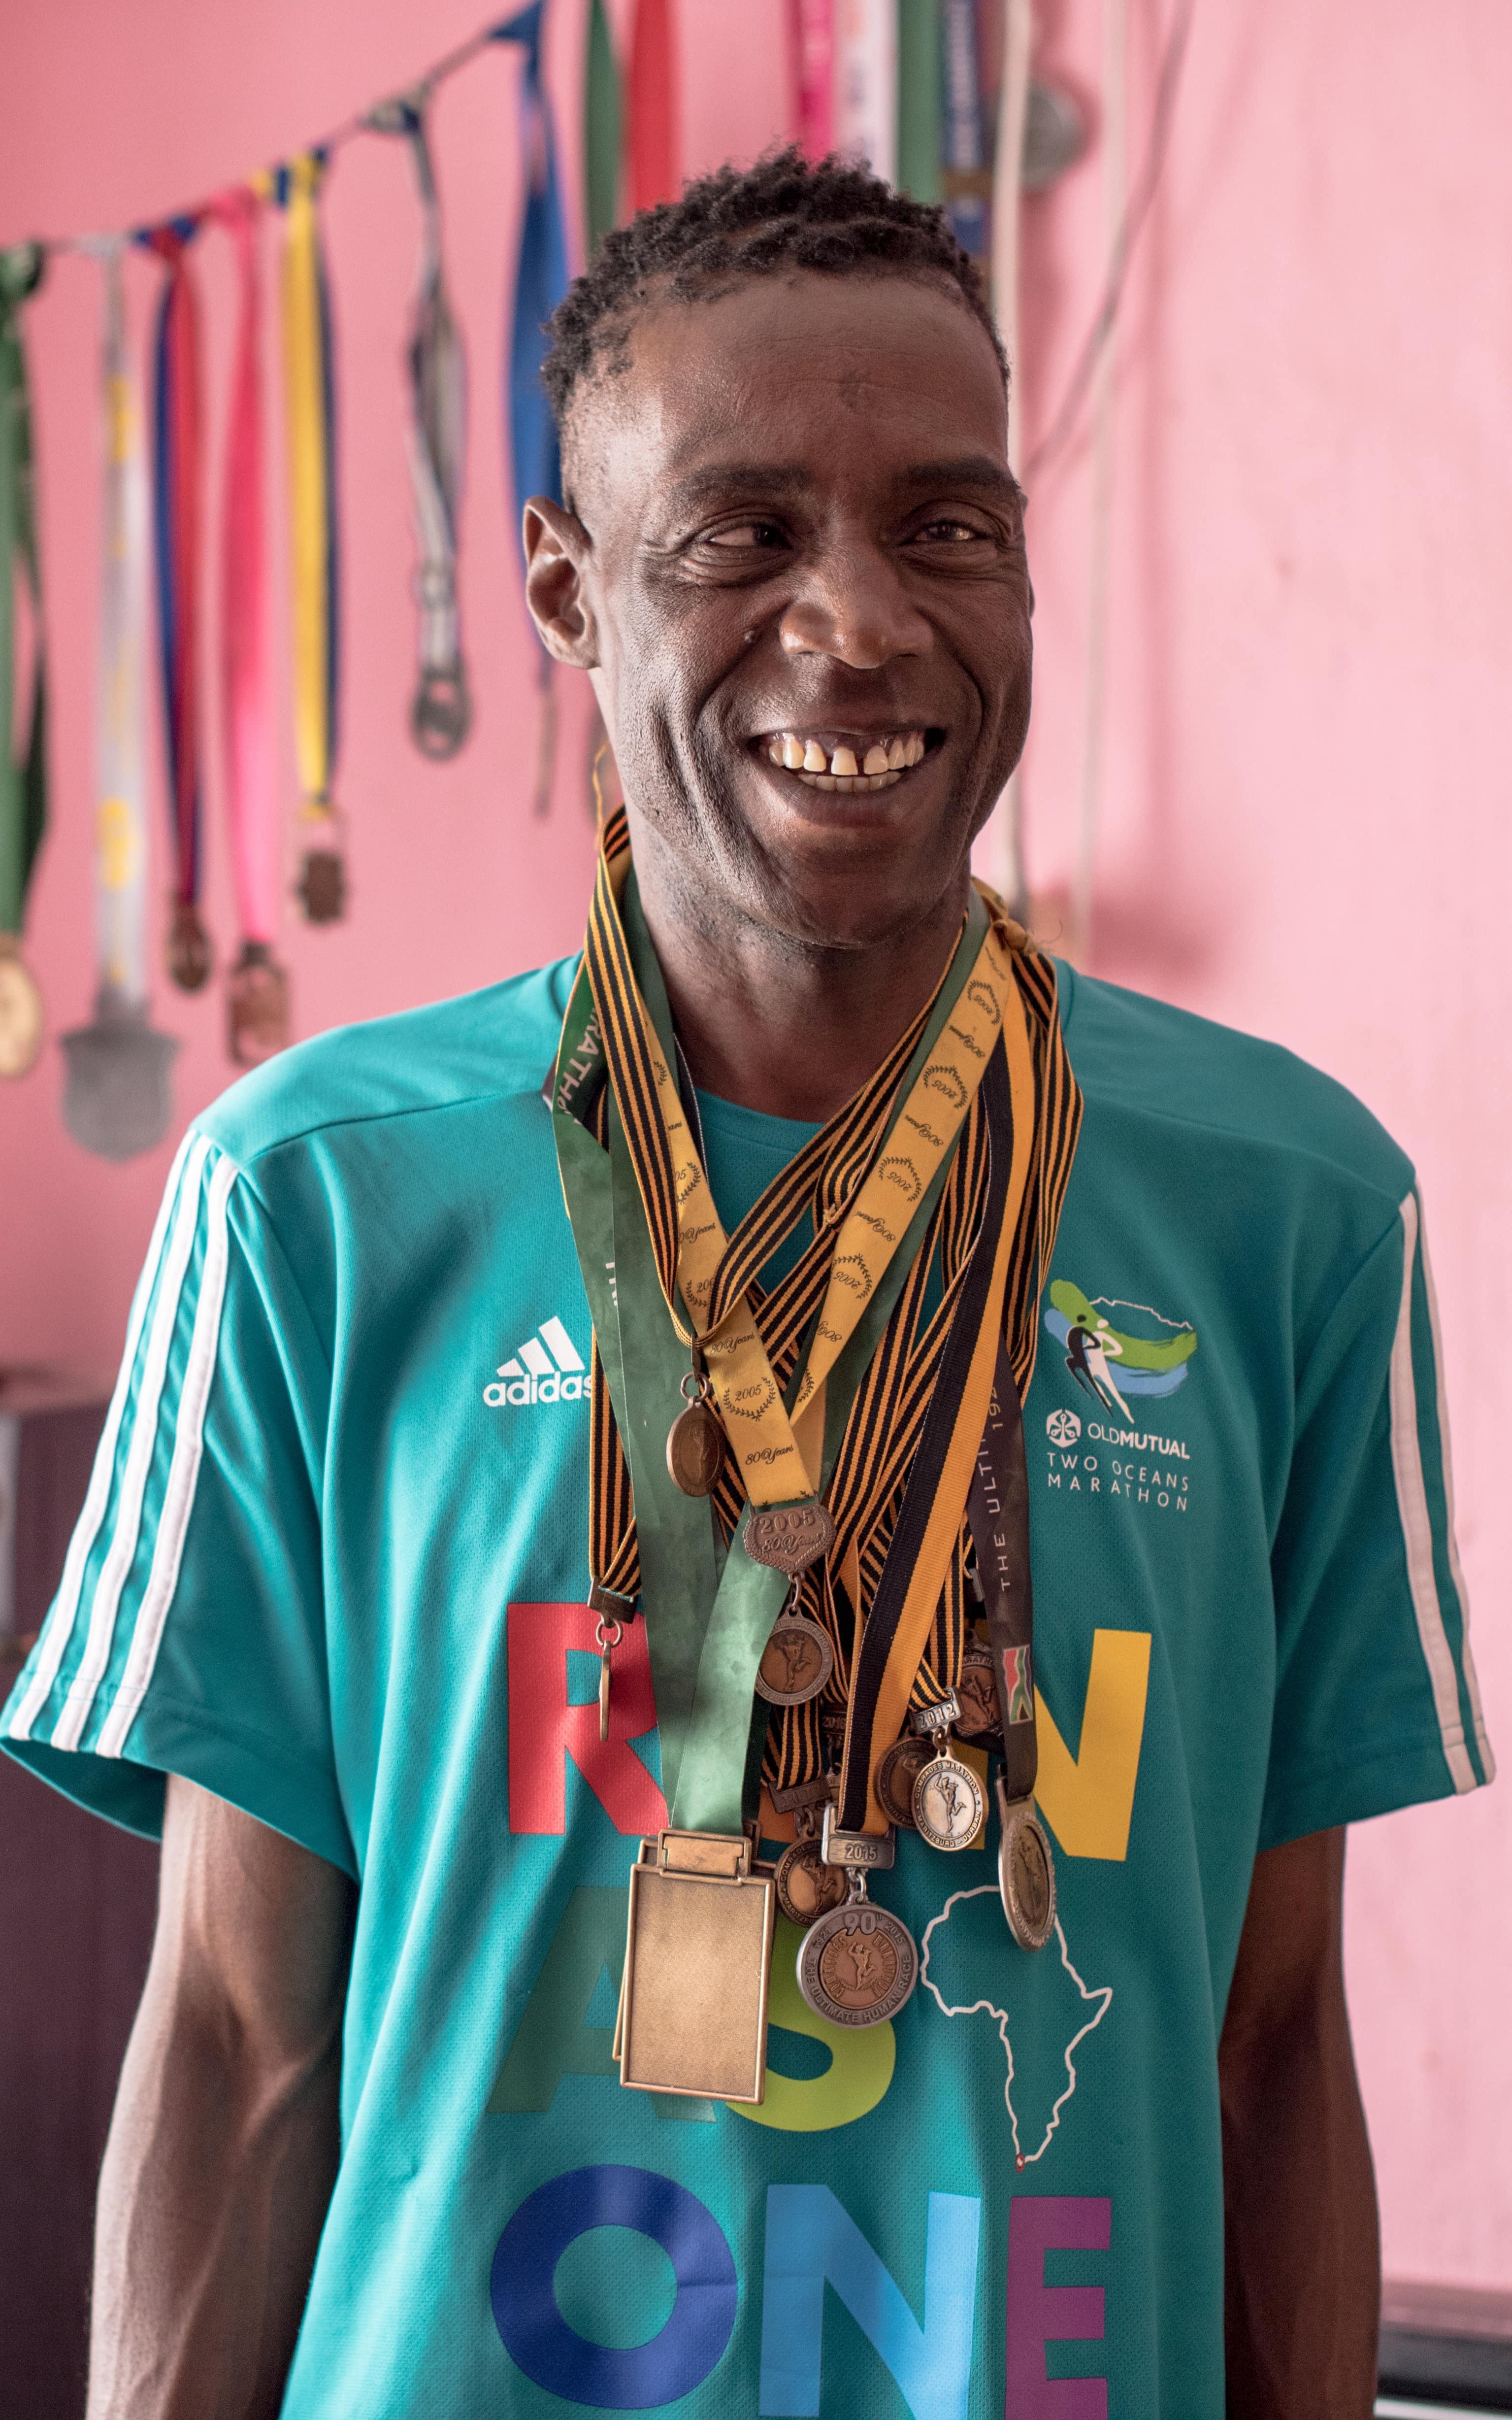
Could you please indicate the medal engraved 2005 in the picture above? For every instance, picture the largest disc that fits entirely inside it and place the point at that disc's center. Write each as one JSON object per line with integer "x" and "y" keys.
{"x": 1025, "y": 1872}
{"x": 695, "y": 1443}
{"x": 789, "y": 1537}
{"x": 795, "y": 1662}
{"x": 857, "y": 1964}
{"x": 698, "y": 1958}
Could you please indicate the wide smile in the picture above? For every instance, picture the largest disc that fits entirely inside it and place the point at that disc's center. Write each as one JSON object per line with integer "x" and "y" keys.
{"x": 836, "y": 760}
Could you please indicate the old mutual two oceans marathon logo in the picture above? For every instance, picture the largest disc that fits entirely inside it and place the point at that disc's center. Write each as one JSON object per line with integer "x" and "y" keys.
{"x": 547, "y": 1369}
{"x": 1119, "y": 1355}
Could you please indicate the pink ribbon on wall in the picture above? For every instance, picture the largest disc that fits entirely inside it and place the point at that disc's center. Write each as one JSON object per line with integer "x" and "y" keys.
{"x": 246, "y": 704}
{"x": 813, "y": 74}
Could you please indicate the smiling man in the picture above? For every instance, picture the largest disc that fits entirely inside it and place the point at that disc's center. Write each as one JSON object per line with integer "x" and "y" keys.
{"x": 638, "y": 1851}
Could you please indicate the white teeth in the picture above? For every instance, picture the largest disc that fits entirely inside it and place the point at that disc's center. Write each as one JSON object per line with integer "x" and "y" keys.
{"x": 791, "y": 751}
{"x": 814, "y": 759}
{"x": 826, "y": 781}
{"x": 775, "y": 751}
{"x": 897, "y": 755}
{"x": 847, "y": 781}
{"x": 915, "y": 748}
{"x": 876, "y": 761}
{"x": 844, "y": 761}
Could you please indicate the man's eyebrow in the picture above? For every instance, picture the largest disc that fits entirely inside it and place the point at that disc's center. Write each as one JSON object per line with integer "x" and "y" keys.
{"x": 964, "y": 471}
{"x": 785, "y": 479}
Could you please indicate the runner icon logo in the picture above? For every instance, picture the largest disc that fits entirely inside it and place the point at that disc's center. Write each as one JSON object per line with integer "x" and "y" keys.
{"x": 547, "y": 1369}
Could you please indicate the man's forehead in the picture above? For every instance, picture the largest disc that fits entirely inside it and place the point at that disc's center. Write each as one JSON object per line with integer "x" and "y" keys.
{"x": 781, "y": 384}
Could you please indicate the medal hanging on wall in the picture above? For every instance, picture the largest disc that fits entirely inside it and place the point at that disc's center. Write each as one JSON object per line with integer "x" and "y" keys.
{"x": 540, "y": 283}
{"x": 177, "y": 432}
{"x": 257, "y": 987}
{"x": 440, "y": 715}
{"x": 22, "y": 775}
{"x": 692, "y": 2008}
{"x": 115, "y": 1099}
{"x": 309, "y": 443}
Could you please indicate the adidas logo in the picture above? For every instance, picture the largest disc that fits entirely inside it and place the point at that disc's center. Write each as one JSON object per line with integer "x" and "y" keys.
{"x": 547, "y": 1369}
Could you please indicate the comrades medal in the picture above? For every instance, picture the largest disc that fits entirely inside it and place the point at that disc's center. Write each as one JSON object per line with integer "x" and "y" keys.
{"x": 831, "y": 1396}
{"x": 949, "y": 1807}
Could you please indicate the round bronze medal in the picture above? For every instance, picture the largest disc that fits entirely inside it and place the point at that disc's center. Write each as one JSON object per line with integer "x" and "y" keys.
{"x": 795, "y": 1662}
{"x": 807, "y": 1888}
{"x": 897, "y": 1774}
{"x": 20, "y": 1011}
{"x": 789, "y": 1537}
{"x": 190, "y": 953}
{"x": 857, "y": 1964}
{"x": 978, "y": 1692}
{"x": 949, "y": 1806}
{"x": 695, "y": 1449}
{"x": 1026, "y": 1873}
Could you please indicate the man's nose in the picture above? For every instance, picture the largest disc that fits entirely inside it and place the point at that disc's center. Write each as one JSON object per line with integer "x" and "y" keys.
{"x": 852, "y": 605}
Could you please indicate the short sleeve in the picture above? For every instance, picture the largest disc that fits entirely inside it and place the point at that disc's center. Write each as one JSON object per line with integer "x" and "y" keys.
{"x": 187, "y": 1633}
{"x": 1377, "y": 1704}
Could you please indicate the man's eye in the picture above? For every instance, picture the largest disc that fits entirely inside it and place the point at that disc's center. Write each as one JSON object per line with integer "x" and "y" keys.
{"x": 951, "y": 532}
{"x": 743, "y": 536}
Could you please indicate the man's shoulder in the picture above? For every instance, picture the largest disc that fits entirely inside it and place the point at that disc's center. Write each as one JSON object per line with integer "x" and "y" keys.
{"x": 1150, "y": 1060}
{"x": 485, "y": 1046}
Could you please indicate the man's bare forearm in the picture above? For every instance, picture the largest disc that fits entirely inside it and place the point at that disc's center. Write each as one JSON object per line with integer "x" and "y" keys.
{"x": 223, "y": 2146}
{"x": 1302, "y": 2249}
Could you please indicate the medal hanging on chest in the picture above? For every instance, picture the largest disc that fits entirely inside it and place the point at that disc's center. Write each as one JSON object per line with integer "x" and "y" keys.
{"x": 949, "y": 1806}
{"x": 787, "y": 1429}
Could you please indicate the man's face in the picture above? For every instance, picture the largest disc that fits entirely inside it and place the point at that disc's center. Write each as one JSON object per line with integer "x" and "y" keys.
{"x": 796, "y": 537}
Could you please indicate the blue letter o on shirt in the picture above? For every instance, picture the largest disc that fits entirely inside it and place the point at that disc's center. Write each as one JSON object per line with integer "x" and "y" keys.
{"x": 613, "y": 2378}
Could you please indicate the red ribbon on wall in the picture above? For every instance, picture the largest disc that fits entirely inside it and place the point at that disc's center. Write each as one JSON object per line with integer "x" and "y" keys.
{"x": 177, "y": 417}
{"x": 652, "y": 107}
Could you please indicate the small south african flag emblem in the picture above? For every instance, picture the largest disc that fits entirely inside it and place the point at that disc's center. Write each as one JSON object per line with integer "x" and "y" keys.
{"x": 1020, "y": 1689}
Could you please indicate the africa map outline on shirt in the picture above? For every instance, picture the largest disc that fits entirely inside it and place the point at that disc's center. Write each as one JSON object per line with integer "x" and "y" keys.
{"x": 1101, "y": 1993}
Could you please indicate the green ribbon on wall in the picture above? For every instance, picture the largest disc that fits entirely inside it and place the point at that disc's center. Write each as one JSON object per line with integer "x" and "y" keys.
{"x": 602, "y": 122}
{"x": 920, "y": 66}
{"x": 22, "y": 780}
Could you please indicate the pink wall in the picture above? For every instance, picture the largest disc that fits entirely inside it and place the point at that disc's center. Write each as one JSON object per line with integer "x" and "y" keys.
{"x": 1306, "y": 825}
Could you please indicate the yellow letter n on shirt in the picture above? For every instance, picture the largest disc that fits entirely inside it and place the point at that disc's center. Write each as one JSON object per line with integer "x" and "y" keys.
{"x": 1087, "y": 1799}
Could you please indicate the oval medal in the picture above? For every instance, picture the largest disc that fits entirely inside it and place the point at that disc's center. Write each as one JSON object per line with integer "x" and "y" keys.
{"x": 1026, "y": 1873}
{"x": 190, "y": 955}
{"x": 858, "y": 1966}
{"x": 978, "y": 1692}
{"x": 695, "y": 1449}
{"x": 789, "y": 1537}
{"x": 20, "y": 1011}
{"x": 795, "y": 1662}
{"x": 897, "y": 1774}
{"x": 949, "y": 1806}
{"x": 807, "y": 1888}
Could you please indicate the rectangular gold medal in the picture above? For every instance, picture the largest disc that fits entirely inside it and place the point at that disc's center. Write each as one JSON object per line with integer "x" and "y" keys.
{"x": 697, "y": 1960}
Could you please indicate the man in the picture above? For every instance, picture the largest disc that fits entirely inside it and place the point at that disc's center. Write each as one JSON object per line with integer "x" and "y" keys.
{"x": 373, "y": 2153}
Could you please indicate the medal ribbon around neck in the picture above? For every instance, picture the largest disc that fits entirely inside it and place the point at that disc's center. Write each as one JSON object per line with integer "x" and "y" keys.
{"x": 779, "y": 1458}
{"x": 890, "y": 1367}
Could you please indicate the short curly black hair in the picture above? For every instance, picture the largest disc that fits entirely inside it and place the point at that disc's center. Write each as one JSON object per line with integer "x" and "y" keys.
{"x": 786, "y": 212}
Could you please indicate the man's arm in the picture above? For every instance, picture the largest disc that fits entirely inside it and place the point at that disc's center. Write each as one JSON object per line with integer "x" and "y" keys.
{"x": 223, "y": 2149}
{"x": 1302, "y": 2238}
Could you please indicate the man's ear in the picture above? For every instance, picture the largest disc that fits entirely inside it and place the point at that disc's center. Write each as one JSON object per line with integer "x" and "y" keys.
{"x": 557, "y": 548}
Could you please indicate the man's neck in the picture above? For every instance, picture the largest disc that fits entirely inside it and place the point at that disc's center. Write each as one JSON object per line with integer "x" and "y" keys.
{"x": 786, "y": 1027}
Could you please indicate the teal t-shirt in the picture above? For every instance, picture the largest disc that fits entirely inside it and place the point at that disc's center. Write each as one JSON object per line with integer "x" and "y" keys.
{"x": 332, "y": 1566}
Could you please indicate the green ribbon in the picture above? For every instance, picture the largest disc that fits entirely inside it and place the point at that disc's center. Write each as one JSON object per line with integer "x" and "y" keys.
{"x": 708, "y": 1614}
{"x": 23, "y": 785}
{"x": 602, "y": 120}
{"x": 919, "y": 69}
